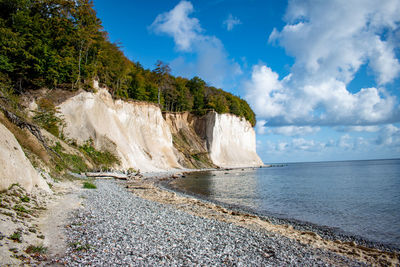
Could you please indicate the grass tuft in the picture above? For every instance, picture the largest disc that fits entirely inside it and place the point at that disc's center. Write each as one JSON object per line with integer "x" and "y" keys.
{"x": 20, "y": 208}
{"x": 40, "y": 249}
{"x": 25, "y": 199}
{"x": 16, "y": 237}
{"x": 89, "y": 185}
{"x": 80, "y": 247}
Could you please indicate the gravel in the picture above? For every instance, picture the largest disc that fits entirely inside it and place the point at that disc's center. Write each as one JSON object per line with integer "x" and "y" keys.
{"x": 118, "y": 228}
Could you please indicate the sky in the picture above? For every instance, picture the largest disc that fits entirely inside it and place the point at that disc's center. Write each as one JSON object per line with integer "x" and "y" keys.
{"x": 323, "y": 77}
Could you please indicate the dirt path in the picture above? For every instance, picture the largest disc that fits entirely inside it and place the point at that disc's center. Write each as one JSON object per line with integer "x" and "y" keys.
{"x": 55, "y": 218}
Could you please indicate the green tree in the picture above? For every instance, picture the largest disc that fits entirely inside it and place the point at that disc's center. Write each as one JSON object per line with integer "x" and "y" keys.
{"x": 196, "y": 87}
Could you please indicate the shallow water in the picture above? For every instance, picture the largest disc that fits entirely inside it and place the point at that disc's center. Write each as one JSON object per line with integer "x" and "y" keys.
{"x": 358, "y": 197}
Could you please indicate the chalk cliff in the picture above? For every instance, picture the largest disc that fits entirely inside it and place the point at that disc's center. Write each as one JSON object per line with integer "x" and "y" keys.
{"x": 223, "y": 140}
{"x": 15, "y": 167}
{"x": 231, "y": 141}
{"x": 136, "y": 132}
{"x": 148, "y": 140}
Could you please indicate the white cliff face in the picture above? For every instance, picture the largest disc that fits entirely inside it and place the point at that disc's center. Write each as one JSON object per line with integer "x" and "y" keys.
{"x": 231, "y": 141}
{"x": 136, "y": 131}
{"x": 15, "y": 166}
{"x": 142, "y": 139}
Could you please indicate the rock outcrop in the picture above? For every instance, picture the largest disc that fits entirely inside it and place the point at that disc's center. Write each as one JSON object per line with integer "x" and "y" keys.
{"x": 143, "y": 139}
{"x": 191, "y": 148}
{"x": 15, "y": 166}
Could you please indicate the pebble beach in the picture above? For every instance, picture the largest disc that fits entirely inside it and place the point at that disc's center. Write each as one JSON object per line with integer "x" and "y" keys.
{"x": 115, "y": 227}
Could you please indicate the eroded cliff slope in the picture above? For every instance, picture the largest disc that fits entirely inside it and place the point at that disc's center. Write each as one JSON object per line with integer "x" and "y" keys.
{"x": 15, "y": 167}
{"x": 135, "y": 131}
{"x": 145, "y": 139}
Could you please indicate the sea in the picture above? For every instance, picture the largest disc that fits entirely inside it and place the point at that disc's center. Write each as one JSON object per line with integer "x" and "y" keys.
{"x": 360, "y": 198}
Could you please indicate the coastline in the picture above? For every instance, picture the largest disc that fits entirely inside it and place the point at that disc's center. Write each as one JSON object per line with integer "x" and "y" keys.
{"x": 120, "y": 227}
{"x": 160, "y": 188}
{"x": 287, "y": 241}
{"x": 326, "y": 232}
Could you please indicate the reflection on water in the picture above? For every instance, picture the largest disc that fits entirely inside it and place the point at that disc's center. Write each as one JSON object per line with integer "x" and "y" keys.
{"x": 359, "y": 197}
{"x": 237, "y": 187}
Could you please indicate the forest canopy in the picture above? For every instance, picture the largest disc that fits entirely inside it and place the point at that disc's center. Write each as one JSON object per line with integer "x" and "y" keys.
{"x": 62, "y": 44}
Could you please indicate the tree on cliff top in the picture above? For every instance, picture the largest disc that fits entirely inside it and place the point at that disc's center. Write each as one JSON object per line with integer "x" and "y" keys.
{"x": 61, "y": 44}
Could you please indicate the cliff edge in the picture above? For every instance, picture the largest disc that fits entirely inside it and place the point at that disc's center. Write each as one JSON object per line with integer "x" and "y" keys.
{"x": 145, "y": 139}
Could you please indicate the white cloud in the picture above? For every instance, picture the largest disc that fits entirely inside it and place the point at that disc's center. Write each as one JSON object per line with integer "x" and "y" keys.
{"x": 296, "y": 102}
{"x": 369, "y": 129}
{"x": 307, "y": 145}
{"x": 231, "y": 22}
{"x": 211, "y": 61}
{"x": 330, "y": 41}
{"x": 177, "y": 23}
{"x": 389, "y": 135}
{"x": 294, "y": 130}
{"x": 296, "y": 144}
{"x": 260, "y": 127}
{"x": 345, "y": 142}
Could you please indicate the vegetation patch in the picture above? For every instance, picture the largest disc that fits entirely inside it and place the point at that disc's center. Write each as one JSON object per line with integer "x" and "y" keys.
{"x": 14, "y": 185}
{"x": 20, "y": 208}
{"x": 102, "y": 159}
{"x": 46, "y": 117}
{"x": 25, "y": 199}
{"x": 89, "y": 185}
{"x": 80, "y": 247}
{"x": 16, "y": 237}
{"x": 71, "y": 162}
{"x": 40, "y": 249}
{"x": 32, "y": 61}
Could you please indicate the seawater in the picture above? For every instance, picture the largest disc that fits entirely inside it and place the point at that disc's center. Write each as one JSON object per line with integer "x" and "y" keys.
{"x": 358, "y": 197}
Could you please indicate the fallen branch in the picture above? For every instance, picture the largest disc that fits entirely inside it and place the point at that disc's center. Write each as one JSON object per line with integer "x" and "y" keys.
{"x": 121, "y": 176}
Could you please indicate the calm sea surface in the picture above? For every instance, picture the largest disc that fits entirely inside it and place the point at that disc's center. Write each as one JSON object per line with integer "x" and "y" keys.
{"x": 358, "y": 197}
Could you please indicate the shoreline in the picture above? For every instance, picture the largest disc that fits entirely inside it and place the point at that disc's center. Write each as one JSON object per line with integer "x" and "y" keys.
{"x": 118, "y": 227}
{"x": 324, "y": 231}
{"x": 158, "y": 188}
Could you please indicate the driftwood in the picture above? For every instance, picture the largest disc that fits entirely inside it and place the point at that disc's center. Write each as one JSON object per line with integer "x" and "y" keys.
{"x": 22, "y": 124}
{"x": 121, "y": 176}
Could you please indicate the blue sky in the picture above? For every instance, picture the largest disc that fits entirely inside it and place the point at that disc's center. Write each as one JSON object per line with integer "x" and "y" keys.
{"x": 323, "y": 77}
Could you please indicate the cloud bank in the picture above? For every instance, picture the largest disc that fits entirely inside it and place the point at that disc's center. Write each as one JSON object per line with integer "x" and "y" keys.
{"x": 211, "y": 59}
{"x": 330, "y": 41}
{"x": 388, "y": 137}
